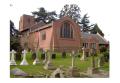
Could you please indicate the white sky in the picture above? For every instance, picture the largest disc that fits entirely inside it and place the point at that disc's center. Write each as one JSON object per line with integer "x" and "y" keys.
{"x": 98, "y": 10}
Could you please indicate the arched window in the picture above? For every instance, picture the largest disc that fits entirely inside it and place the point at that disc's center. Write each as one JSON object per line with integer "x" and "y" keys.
{"x": 66, "y": 31}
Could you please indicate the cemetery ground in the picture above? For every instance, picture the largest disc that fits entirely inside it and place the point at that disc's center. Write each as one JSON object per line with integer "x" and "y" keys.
{"x": 39, "y": 71}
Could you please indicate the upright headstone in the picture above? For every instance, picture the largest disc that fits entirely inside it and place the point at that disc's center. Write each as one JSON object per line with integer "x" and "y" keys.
{"x": 33, "y": 56}
{"x": 36, "y": 61}
{"x": 91, "y": 70}
{"x": 72, "y": 70}
{"x": 53, "y": 56}
{"x": 12, "y": 61}
{"x": 45, "y": 57}
{"x": 99, "y": 62}
{"x": 49, "y": 64}
{"x": 93, "y": 58}
{"x": 64, "y": 54}
{"x": 83, "y": 56}
{"x": 73, "y": 57}
{"x": 24, "y": 61}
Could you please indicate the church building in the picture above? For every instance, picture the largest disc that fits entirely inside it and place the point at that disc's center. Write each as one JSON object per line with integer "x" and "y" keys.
{"x": 59, "y": 35}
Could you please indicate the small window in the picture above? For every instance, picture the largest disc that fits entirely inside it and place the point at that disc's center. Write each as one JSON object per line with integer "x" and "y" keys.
{"x": 43, "y": 35}
{"x": 28, "y": 20}
{"x": 93, "y": 45}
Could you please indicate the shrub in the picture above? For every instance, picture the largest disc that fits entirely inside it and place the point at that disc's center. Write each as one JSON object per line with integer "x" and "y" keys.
{"x": 106, "y": 56}
{"x": 103, "y": 49}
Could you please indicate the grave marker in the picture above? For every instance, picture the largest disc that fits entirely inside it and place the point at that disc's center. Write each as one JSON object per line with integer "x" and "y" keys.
{"x": 12, "y": 61}
{"x": 36, "y": 61}
{"x": 24, "y": 61}
{"x": 83, "y": 56}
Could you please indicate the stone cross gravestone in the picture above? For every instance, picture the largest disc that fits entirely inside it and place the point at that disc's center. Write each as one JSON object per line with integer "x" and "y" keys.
{"x": 36, "y": 61}
{"x": 12, "y": 61}
{"x": 24, "y": 61}
{"x": 83, "y": 56}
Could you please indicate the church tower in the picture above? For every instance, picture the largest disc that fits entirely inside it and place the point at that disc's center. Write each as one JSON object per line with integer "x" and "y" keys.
{"x": 26, "y": 21}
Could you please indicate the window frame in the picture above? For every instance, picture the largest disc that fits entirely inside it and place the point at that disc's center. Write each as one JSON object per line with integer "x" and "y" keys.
{"x": 64, "y": 30}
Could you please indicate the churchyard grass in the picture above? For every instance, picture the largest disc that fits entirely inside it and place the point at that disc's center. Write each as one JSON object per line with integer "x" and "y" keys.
{"x": 65, "y": 62}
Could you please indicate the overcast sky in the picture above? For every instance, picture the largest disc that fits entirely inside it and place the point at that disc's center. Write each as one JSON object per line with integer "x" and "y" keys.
{"x": 98, "y": 10}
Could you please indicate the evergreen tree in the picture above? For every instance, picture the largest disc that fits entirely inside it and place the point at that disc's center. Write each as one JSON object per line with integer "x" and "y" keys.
{"x": 96, "y": 30}
{"x": 14, "y": 37}
{"x": 85, "y": 24}
{"x": 44, "y": 16}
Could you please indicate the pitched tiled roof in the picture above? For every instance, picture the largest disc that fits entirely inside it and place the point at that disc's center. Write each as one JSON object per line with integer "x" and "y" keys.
{"x": 101, "y": 39}
{"x": 40, "y": 27}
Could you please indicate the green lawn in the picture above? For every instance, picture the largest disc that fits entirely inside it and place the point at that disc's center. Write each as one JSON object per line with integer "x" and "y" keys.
{"x": 65, "y": 62}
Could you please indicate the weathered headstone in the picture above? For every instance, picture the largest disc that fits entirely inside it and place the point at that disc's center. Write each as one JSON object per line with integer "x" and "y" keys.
{"x": 73, "y": 57}
{"x": 49, "y": 64}
{"x": 83, "y": 56}
{"x": 33, "y": 55}
{"x": 12, "y": 61}
{"x": 72, "y": 70}
{"x": 36, "y": 61}
{"x": 64, "y": 54}
{"x": 45, "y": 57}
{"x": 78, "y": 53}
{"x": 91, "y": 70}
{"x": 24, "y": 61}
{"x": 99, "y": 62}
{"x": 53, "y": 56}
{"x": 58, "y": 73}
{"x": 18, "y": 72}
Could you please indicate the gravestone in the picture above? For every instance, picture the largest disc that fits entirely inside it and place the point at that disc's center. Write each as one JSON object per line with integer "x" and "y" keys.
{"x": 18, "y": 72}
{"x": 12, "y": 60}
{"x": 99, "y": 62}
{"x": 53, "y": 55}
{"x": 43, "y": 55}
{"x": 33, "y": 55}
{"x": 49, "y": 64}
{"x": 83, "y": 55}
{"x": 24, "y": 61}
{"x": 58, "y": 73}
{"x": 92, "y": 70}
{"x": 73, "y": 57}
{"x": 78, "y": 53}
{"x": 72, "y": 70}
{"x": 36, "y": 61}
{"x": 64, "y": 54}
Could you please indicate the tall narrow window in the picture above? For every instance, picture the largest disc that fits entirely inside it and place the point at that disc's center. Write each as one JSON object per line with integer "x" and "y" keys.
{"x": 66, "y": 31}
{"x": 43, "y": 35}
